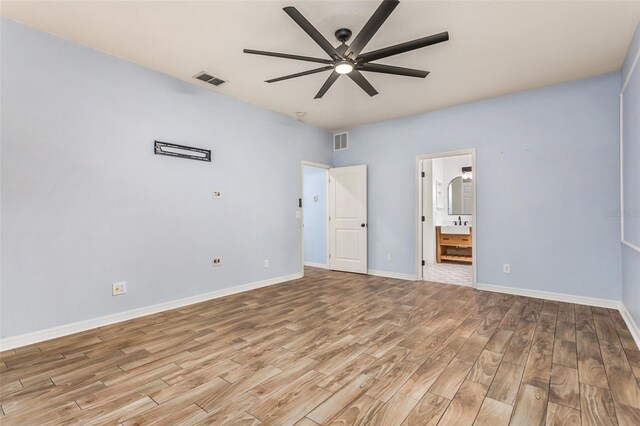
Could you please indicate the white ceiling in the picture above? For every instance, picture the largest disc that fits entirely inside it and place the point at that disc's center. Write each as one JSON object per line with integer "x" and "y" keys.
{"x": 496, "y": 48}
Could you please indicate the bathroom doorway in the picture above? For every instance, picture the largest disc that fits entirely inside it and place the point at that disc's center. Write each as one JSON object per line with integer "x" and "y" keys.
{"x": 447, "y": 217}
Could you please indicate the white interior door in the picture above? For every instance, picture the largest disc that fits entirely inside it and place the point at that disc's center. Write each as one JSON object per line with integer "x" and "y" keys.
{"x": 348, "y": 219}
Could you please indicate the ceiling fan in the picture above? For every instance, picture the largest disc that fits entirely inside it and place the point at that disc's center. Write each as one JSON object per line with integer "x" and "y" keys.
{"x": 347, "y": 59}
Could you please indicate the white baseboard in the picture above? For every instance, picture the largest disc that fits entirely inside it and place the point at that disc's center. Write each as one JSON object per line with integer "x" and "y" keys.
{"x": 64, "y": 330}
{"x": 631, "y": 324}
{"x": 630, "y": 245}
{"x": 317, "y": 265}
{"x": 396, "y": 275}
{"x": 559, "y": 297}
{"x": 77, "y": 327}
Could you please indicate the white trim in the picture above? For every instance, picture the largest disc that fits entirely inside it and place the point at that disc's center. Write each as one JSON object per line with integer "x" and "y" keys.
{"x": 623, "y": 240}
{"x": 321, "y": 166}
{"x": 76, "y": 327}
{"x": 633, "y": 67}
{"x": 630, "y": 244}
{"x": 631, "y": 324}
{"x": 396, "y": 275}
{"x": 621, "y": 166}
{"x": 548, "y": 295}
{"x": 418, "y": 198}
{"x": 312, "y": 164}
{"x": 316, "y": 265}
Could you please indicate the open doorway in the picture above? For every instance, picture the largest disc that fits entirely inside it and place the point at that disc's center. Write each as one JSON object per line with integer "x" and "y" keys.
{"x": 334, "y": 217}
{"x": 447, "y": 217}
{"x": 315, "y": 215}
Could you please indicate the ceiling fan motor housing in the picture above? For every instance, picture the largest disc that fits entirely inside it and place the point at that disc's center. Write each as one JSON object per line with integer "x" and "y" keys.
{"x": 343, "y": 34}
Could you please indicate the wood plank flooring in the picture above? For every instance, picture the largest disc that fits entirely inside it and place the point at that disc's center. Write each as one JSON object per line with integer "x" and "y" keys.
{"x": 336, "y": 349}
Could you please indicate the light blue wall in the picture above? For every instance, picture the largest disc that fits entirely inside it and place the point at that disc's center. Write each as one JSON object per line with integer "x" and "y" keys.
{"x": 547, "y": 173}
{"x": 315, "y": 215}
{"x": 631, "y": 177}
{"x": 85, "y": 203}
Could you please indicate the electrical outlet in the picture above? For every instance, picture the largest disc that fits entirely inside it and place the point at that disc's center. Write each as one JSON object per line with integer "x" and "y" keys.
{"x": 266, "y": 263}
{"x": 388, "y": 258}
{"x": 119, "y": 288}
{"x": 216, "y": 194}
{"x": 216, "y": 261}
{"x": 506, "y": 268}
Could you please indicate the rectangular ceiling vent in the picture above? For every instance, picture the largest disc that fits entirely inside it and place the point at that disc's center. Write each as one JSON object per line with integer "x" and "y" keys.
{"x": 340, "y": 141}
{"x": 208, "y": 78}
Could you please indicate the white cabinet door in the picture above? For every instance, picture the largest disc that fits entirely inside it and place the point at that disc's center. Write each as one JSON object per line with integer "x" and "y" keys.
{"x": 348, "y": 219}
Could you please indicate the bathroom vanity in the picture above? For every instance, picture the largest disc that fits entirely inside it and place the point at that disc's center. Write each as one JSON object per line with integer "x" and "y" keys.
{"x": 454, "y": 244}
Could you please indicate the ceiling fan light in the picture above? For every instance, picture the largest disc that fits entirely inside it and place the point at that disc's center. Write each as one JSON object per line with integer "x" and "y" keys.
{"x": 344, "y": 67}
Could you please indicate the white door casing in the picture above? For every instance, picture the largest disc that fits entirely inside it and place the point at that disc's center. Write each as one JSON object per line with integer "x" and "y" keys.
{"x": 428, "y": 230}
{"x": 348, "y": 219}
{"x": 420, "y": 208}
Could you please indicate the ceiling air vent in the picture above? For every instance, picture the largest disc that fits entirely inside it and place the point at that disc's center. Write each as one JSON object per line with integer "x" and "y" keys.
{"x": 208, "y": 78}
{"x": 340, "y": 141}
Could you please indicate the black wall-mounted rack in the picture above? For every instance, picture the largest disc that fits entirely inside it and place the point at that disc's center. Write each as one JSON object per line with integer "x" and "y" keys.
{"x": 181, "y": 151}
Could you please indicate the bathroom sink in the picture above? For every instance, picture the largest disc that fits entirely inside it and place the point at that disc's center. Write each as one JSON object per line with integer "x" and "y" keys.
{"x": 456, "y": 229}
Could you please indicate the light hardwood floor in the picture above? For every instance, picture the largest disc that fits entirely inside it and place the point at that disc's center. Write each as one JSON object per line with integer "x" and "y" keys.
{"x": 336, "y": 349}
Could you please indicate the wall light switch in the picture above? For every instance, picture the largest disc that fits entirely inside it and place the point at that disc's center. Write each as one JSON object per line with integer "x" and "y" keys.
{"x": 298, "y": 214}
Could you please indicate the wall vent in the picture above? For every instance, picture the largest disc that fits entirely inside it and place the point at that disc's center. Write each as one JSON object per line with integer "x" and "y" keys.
{"x": 340, "y": 141}
{"x": 208, "y": 78}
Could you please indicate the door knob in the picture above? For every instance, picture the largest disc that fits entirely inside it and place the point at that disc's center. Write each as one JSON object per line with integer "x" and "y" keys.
{"x": 362, "y": 225}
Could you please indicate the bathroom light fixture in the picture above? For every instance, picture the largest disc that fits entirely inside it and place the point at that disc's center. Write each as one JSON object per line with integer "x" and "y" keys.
{"x": 344, "y": 67}
{"x": 466, "y": 173}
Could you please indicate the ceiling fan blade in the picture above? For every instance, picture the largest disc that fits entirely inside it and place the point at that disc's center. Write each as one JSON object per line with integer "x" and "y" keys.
{"x": 312, "y": 31}
{"x": 371, "y": 27}
{"x": 364, "y": 84}
{"x": 287, "y": 56}
{"x": 404, "y": 47}
{"x": 327, "y": 84}
{"x": 300, "y": 74}
{"x": 390, "y": 69}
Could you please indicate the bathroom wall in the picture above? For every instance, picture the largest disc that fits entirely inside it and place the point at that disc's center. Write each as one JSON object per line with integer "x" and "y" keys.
{"x": 448, "y": 168}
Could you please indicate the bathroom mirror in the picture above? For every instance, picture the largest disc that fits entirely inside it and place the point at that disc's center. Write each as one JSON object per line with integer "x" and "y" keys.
{"x": 460, "y": 196}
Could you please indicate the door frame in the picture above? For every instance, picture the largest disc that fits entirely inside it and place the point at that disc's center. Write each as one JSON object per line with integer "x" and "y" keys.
{"x": 418, "y": 198}
{"x": 320, "y": 166}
